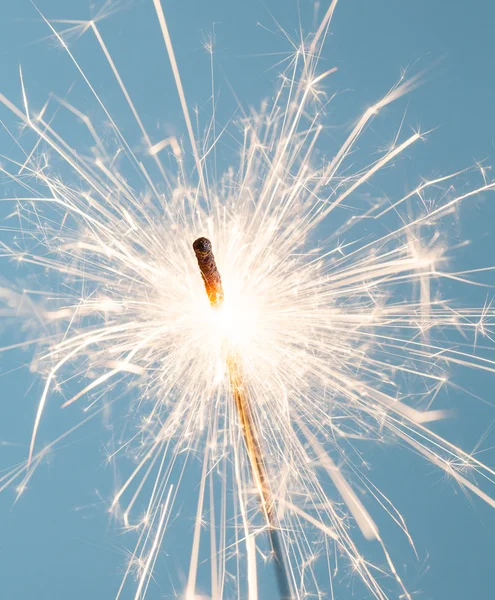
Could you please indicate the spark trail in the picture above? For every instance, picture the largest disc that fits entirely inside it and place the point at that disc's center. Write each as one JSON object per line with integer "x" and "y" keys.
{"x": 334, "y": 332}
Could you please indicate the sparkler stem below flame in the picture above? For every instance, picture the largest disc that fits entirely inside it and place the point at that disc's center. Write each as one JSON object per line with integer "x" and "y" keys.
{"x": 213, "y": 285}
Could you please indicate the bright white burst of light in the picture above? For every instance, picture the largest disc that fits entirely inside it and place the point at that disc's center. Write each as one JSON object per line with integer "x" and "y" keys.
{"x": 337, "y": 343}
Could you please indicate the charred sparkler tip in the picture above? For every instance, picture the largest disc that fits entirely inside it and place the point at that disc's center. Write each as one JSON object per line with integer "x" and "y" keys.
{"x": 211, "y": 277}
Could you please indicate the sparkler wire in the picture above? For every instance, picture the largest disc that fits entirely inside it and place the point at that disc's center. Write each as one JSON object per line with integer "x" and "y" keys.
{"x": 213, "y": 285}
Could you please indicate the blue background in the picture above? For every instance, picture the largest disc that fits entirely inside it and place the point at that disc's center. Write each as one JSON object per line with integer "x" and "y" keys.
{"x": 57, "y": 541}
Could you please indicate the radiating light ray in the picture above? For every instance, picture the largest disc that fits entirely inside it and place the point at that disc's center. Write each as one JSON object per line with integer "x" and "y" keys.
{"x": 180, "y": 89}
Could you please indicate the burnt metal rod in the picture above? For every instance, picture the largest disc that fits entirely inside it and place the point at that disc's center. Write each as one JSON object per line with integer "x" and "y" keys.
{"x": 213, "y": 285}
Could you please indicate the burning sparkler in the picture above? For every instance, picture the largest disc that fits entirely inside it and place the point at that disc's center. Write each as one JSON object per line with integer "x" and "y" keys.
{"x": 213, "y": 285}
{"x": 308, "y": 352}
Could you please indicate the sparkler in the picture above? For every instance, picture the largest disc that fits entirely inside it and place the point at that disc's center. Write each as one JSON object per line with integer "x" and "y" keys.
{"x": 323, "y": 348}
{"x": 213, "y": 285}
